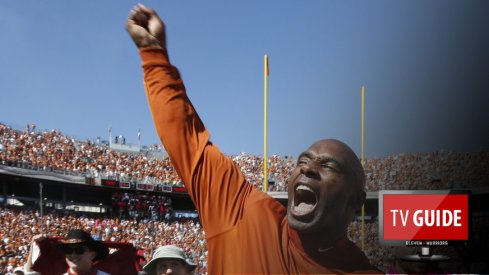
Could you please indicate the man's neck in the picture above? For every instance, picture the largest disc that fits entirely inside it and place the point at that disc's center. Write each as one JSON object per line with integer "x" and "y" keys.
{"x": 315, "y": 245}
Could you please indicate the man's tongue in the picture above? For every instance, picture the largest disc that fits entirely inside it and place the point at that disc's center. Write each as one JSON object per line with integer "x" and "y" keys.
{"x": 303, "y": 208}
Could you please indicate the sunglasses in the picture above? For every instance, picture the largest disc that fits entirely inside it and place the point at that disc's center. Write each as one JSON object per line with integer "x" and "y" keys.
{"x": 74, "y": 249}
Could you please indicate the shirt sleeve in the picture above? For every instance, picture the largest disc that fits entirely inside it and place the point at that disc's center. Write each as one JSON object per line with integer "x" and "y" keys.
{"x": 216, "y": 186}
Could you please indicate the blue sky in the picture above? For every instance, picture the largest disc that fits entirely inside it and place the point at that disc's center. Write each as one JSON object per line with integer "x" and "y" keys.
{"x": 70, "y": 65}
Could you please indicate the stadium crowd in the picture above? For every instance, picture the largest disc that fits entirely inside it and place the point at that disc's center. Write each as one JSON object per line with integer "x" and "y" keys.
{"x": 146, "y": 235}
{"x": 142, "y": 206}
{"x": 53, "y": 151}
{"x": 144, "y": 220}
{"x": 436, "y": 170}
{"x": 21, "y": 224}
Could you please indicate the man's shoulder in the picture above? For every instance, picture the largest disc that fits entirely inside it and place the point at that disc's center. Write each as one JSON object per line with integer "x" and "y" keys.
{"x": 100, "y": 272}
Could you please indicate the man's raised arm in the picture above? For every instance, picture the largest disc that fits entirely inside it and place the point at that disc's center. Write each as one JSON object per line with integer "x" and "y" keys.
{"x": 214, "y": 183}
{"x": 173, "y": 114}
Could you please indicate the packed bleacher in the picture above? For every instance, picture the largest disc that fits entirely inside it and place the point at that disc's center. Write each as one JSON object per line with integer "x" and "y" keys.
{"x": 53, "y": 151}
{"x": 21, "y": 224}
{"x": 144, "y": 219}
{"x": 436, "y": 170}
{"x": 141, "y": 206}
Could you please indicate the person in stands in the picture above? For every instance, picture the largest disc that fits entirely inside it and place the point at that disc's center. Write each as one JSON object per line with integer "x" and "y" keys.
{"x": 81, "y": 253}
{"x": 169, "y": 259}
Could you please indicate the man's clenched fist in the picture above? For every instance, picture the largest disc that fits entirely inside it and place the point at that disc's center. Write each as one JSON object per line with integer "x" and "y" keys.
{"x": 145, "y": 27}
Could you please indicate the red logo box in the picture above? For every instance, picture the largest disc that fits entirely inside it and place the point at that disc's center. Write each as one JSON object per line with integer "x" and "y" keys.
{"x": 426, "y": 217}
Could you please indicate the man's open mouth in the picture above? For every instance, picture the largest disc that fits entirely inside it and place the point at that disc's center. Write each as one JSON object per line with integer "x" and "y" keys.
{"x": 305, "y": 200}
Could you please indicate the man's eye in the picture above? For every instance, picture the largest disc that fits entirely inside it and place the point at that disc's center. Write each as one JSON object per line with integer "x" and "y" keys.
{"x": 328, "y": 165}
{"x": 302, "y": 161}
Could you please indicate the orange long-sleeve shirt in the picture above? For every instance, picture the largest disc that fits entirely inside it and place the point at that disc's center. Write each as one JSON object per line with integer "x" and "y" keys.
{"x": 247, "y": 231}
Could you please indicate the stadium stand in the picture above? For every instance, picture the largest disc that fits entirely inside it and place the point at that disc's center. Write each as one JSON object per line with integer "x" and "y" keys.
{"x": 54, "y": 152}
{"x": 122, "y": 196}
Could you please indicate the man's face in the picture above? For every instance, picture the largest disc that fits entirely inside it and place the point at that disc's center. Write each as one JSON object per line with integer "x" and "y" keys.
{"x": 79, "y": 259}
{"x": 170, "y": 266}
{"x": 322, "y": 190}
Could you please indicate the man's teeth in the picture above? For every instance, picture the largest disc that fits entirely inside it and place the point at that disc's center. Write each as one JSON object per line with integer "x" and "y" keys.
{"x": 303, "y": 187}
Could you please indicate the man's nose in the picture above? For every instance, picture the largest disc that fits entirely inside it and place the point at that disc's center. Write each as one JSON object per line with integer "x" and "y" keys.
{"x": 310, "y": 169}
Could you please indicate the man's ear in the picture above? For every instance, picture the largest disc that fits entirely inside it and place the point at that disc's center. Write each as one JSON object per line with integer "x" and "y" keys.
{"x": 93, "y": 254}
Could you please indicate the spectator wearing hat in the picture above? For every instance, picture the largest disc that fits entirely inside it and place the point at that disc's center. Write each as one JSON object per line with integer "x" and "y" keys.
{"x": 169, "y": 259}
{"x": 81, "y": 253}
